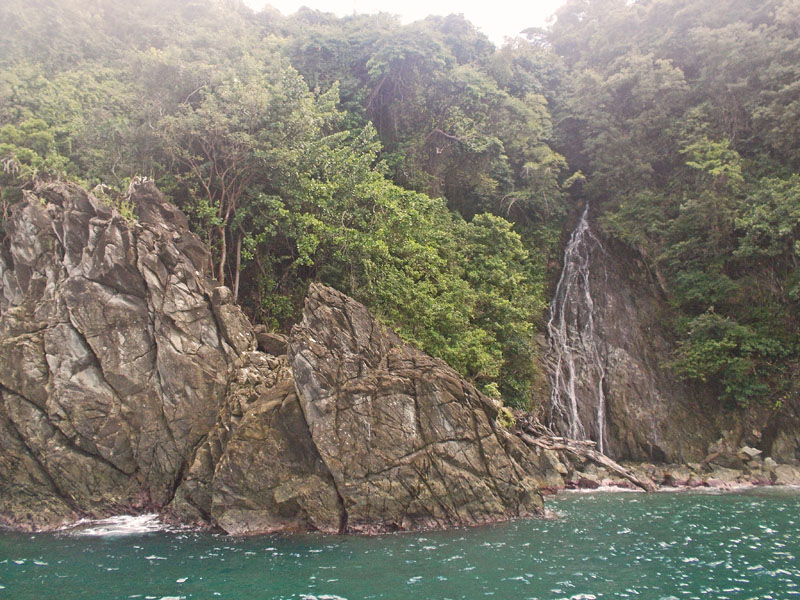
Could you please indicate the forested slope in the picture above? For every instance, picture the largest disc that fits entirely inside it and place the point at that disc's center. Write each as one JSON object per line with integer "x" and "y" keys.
{"x": 684, "y": 116}
{"x": 430, "y": 175}
{"x": 388, "y": 161}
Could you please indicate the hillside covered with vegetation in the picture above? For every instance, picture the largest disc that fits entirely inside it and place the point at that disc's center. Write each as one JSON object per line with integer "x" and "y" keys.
{"x": 430, "y": 174}
{"x": 684, "y": 116}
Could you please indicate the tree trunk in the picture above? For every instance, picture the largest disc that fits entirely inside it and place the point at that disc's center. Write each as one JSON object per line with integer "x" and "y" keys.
{"x": 237, "y": 268}
{"x": 584, "y": 450}
{"x": 223, "y": 255}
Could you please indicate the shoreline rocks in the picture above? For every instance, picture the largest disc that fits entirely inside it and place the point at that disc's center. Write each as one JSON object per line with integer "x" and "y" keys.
{"x": 575, "y": 465}
{"x": 130, "y": 382}
{"x": 676, "y": 476}
{"x": 408, "y": 442}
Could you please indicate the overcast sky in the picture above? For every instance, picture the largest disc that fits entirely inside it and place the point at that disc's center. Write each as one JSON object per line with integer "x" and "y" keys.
{"x": 496, "y": 18}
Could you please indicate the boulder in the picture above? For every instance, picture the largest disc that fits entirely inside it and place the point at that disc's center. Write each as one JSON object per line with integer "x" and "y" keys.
{"x": 647, "y": 471}
{"x": 677, "y": 475}
{"x": 588, "y": 483}
{"x": 695, "y": 482}
{"x": 271, "y": 342}
{"x": 759, "y": 478}
{"x": 234, "y": 326}
{"x": 729, "y": 477}
{"x": 769, "y": 464}
{"x": 552, "y": 461}
{"x": 748, "y": 453}
{"x": 755, "y": 464}
{"x": 715, "y": 482}
{"x": 725, "y": 460}
{"x": 786, "y": 475}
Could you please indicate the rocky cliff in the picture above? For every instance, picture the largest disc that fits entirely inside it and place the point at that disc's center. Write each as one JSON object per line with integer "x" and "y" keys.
{"x": 409, "y": 444}
{"x": 610, "y": 320}
{"x": 128, "y": 382}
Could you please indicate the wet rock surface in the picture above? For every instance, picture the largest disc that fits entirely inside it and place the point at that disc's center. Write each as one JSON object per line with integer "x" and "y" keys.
{"x": 626, "y": 398}
{"x": 130, "y": 382}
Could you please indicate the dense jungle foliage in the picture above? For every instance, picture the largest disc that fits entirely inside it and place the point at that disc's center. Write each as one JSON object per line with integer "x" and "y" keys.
{"x": 685, "y": 117}
{"x": 430, "y": 174}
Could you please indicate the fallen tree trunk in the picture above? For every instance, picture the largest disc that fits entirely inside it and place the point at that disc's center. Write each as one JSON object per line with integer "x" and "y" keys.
{"x": 541, "y": 437}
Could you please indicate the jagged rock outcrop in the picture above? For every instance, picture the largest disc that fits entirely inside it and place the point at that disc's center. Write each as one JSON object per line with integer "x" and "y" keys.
{"x": 115, "y": 354}
{"x": 408, "y": 442}
{"x": 358, "y": 432}
{"x": 129, "y": 382}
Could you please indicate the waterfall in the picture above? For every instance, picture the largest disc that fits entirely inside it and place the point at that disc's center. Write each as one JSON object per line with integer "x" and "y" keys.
{"x": 577, "y": 402}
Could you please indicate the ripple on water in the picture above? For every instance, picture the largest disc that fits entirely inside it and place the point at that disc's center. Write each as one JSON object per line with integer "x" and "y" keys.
{"x": 609, "y": 546}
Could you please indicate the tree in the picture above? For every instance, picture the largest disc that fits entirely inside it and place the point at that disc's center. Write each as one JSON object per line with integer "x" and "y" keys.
{"x": 241, "y": 139}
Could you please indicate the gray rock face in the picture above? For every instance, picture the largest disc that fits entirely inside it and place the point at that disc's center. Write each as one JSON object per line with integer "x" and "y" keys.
{"x": 678, "y": 421}
{"x": 258, "y": 471}
{"x": 649, "y": 415}
{"x": 129, "y": 382}
{"x": 408, "y": 443}
{"x": 270, "y": 342}
{"x": 114, "y": 359}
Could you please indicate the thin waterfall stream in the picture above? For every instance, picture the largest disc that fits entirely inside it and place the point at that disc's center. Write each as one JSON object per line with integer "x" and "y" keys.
{"x": 578, "y": 371}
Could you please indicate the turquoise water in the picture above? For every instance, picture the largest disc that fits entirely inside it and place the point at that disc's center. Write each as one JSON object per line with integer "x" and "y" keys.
{"x": 602, "y": 545}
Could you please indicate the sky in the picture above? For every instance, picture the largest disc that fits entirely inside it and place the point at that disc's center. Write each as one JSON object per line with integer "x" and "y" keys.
{"x": 496, "y": 18}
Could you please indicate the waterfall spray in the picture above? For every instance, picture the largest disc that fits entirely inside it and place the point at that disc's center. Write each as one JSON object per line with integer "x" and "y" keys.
{"x": 578, "y": 372}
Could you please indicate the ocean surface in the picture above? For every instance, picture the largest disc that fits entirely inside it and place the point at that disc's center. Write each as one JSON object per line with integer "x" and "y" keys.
{"x": 742, "y": 545}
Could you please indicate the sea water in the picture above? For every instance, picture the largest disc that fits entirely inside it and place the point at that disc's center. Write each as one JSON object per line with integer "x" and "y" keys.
{"x": 662, "y": 546}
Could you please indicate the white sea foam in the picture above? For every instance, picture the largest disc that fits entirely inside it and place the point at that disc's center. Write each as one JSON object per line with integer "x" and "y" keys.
{"x": 613, "y": 489}
{"x": 119, "y": 526}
